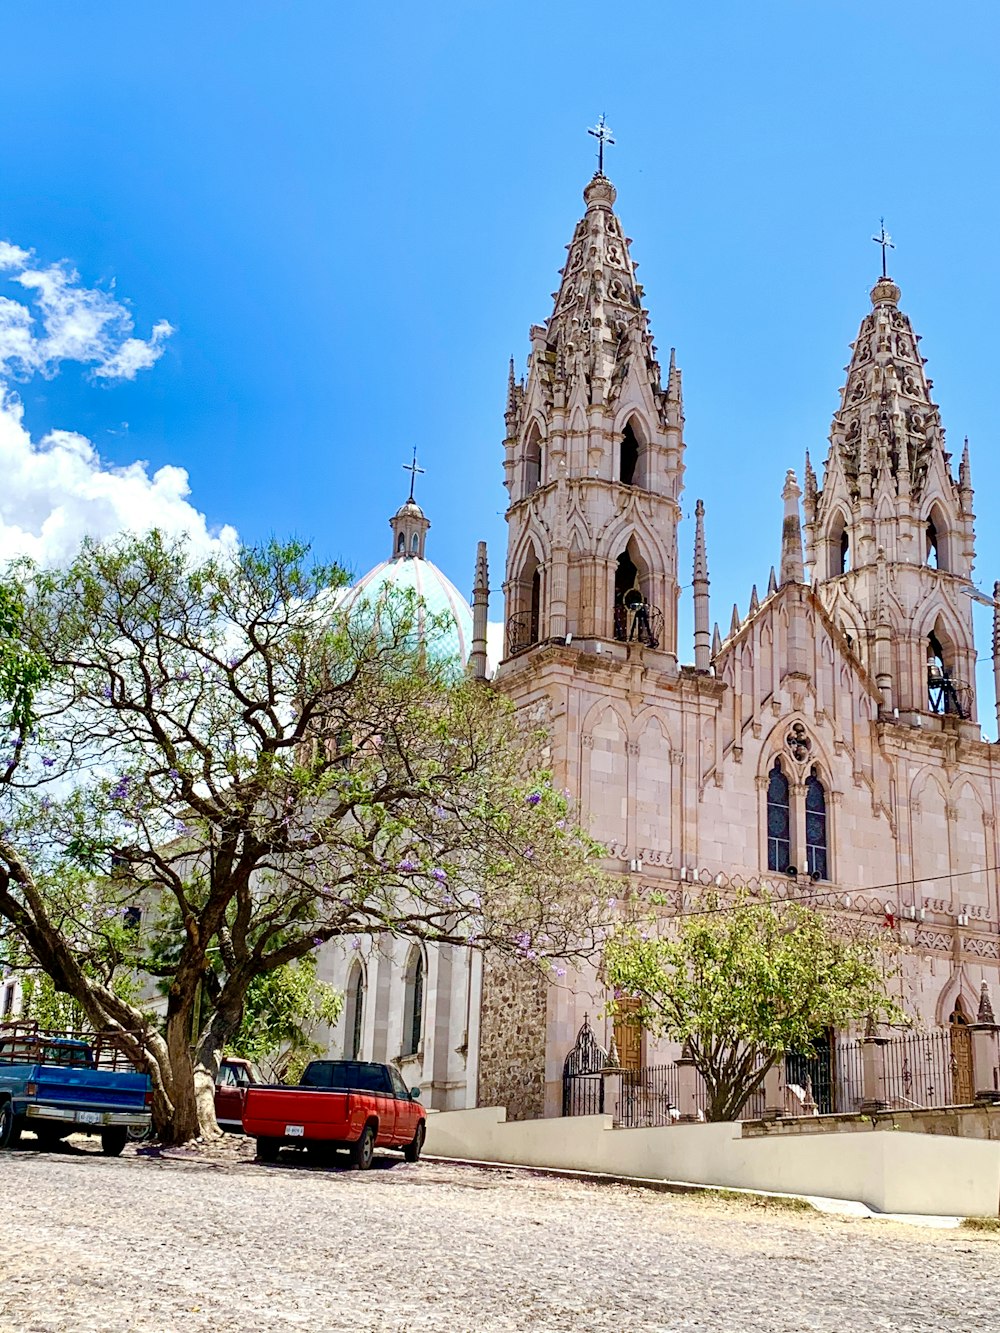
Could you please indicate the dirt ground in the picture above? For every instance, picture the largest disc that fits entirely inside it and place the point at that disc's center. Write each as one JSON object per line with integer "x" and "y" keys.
{"x": 193, "y": 1240}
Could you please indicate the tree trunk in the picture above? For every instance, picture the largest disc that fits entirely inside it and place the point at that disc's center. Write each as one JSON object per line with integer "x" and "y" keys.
{"x": 183, "y": 1123}
{"x": 225, "y": 1021}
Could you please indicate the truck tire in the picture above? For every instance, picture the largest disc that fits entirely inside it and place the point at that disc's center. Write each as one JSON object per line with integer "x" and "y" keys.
{"x": 267, "y": 1150}
{"x": 10, "y": 1130}
{"x": 412, "y": 1151}
{"x": 363, "y": 1151}
{"x": 113, "y": 1141}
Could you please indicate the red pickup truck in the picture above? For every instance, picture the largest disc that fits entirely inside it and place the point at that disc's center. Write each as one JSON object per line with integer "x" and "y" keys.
{"x": 352, "y": 1104}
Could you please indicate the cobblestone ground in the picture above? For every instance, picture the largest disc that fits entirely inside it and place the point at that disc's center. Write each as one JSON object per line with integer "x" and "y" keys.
{"x": 154, "y": 1243}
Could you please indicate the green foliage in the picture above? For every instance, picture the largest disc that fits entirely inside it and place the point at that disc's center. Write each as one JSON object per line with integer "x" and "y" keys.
{"x": 265, "y": 765}
{"x": 282, "y": 1011}
{"x": 741, "y": 982}
{"x": 22, "y": 671}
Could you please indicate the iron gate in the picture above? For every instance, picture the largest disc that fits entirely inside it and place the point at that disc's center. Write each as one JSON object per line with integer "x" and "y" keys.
{"x": 583, "y": 1078}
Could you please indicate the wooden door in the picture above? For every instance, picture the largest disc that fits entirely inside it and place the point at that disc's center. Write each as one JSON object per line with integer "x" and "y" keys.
{"x": 962, "y": 1091}
{"x": 628, "y": 1035}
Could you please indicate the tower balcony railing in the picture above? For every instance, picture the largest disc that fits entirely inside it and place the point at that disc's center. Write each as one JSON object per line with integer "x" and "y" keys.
{"x": 522, "y": 632}
{"x": 946, "y": 694}
{"x": 640, "y": 623}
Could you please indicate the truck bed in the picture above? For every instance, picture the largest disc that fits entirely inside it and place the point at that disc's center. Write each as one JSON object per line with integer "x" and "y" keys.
{"x": 318, "y": 1115}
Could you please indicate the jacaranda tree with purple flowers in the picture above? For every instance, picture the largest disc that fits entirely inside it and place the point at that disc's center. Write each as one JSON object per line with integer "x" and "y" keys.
{"x": 240, "y": 750}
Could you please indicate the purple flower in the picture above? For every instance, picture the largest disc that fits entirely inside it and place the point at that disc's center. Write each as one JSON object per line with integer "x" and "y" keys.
{"x": 317, "y": 939}
{"x": 612, "y": 902}
{"x": 234, "y": 661}
{"x": 560, "y": 823}
{"x": 438, "y": 874}
{"x": 356, "y": 943}
{"x": 173, "y": 774}
{"x": 447, "y": 899}
{"x": 180, "y": 826}
{"x": 184, "y": 675}
{"x": 46, "y": 803}
{"x": 406, "y": 866}
{"x": 48, "y": 761}
{"x": 439, "y": 812}
{"x": 120, "y": 790}
{"x": 534, "y": 798}
{"x": 560, "y": 971}
{"x": 529, "y": 853}
{"x": 531, "y": 955}
{"x": 106, "y": 692}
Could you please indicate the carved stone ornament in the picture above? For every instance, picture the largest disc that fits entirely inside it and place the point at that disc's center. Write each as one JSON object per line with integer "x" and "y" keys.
{"x": 798, "y": 743}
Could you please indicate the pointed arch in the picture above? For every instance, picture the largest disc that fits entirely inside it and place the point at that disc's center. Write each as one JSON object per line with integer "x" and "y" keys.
{"x": 633, "y": 608}
{"x": 838, "y": 543}
{"x": 604, "y": 776}
{"x": 937, "y": 538}
{"x": 534, "y": 450}
{"x": 817, "y": 843}
{"x": 779, "y": 818}
{"x": 354, "y": 1011}
{"x": 413, "y": 1001}
{"x": 525, "y": 601}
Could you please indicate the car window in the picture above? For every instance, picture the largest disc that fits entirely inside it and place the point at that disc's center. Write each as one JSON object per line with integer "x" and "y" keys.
{"x": 399, "y": 1087}
{"x": 348, "y": 1076}
{"x": 227, "y": 1077}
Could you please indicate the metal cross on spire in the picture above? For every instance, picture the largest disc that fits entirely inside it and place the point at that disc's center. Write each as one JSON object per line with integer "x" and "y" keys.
{"x": 602, "y": 133}
{"x": 885, "y": 241}
{"x": 412, "y": 469}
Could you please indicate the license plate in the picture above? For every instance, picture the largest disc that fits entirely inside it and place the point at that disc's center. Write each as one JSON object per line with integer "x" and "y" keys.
{"x": 89, "y": 1118}
{"x": 294, "y": 1131}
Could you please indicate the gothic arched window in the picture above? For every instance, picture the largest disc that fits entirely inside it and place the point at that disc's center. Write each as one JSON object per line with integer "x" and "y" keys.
{"x": 401, "y": 543}
{"x": 533, "y": 461}
{"x": 629, "y": 457}
{"x": 779, "y": 824}
{"x": 415, "y": 542}
{"x": 413, "y": 1007}
{"x": 354, "y": 1014}
{"x": 937, "y": 540}
{"x": 816, "y": 858}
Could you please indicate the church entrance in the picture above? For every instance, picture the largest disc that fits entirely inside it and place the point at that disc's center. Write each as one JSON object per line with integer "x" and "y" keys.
{"x": 962, "y": 1091}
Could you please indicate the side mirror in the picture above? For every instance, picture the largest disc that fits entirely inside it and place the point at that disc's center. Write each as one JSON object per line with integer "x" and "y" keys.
{"x": 414, "y": 1094}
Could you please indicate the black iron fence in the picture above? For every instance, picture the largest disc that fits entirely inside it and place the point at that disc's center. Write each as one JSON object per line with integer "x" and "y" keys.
{"x": 920, "y": 1069}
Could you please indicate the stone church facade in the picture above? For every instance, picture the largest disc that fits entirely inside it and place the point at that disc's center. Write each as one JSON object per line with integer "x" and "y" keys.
{"x": 828, "y": 744}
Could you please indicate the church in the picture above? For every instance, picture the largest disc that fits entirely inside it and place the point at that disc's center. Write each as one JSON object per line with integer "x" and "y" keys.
{"x": 826, "y": 744}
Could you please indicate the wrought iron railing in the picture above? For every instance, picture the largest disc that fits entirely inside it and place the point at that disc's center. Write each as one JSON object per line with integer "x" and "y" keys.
{"x": 522, "y": 632}
{"x": 640, "y": 624}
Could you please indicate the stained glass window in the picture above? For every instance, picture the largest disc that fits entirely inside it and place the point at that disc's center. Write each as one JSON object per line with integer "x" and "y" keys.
{"x": 815, "y": 826}
{"x": 779, "y": 842}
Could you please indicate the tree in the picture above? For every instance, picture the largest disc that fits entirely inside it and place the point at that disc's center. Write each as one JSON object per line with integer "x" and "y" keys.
{"x": 741, "y": 982}
{"x": 235, "y": 745}
{"x": 282, "y": 1011}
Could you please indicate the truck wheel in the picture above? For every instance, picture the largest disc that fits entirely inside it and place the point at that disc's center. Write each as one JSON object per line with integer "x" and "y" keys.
{"x": 363, "y": 1151}
{"x": 267, "y": 1150}
{"x": 113, "y": 1141}
{"x": 413, "y": 1150}
{"x": 10, "y": 1130}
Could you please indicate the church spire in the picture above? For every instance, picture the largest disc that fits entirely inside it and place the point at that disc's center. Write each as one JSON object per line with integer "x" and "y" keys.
{"x": 890, "y": 533}
{"x": 594, "y": 430}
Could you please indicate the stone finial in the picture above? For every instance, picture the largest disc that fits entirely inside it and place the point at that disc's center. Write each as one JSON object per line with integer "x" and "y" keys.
{"x": 792, "y": 570}
{"x": 985, "y": 1014}
{"x": 702, "y": 651}
{"x": 480, "y": 611}
{"x": 716, "y": 641}
{"x": 614, "y": 1059}
{"x": 599, "y": 193}
{"x": 754, "y": 600}
{"x": 885, "y": 292}
{"x": 734, "y": 624}
{"x": 772, "y": 583}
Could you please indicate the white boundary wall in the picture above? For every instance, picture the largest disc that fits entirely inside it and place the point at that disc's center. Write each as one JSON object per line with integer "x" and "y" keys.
{"x": 889, "y": 1171}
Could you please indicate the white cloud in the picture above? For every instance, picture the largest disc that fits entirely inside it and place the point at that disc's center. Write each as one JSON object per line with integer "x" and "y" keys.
{"x": 57, "y": 490}
{"x": 69, "y": 322}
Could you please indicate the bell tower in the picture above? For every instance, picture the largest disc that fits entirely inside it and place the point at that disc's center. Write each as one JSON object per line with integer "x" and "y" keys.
{"x": 890, "y": 538}
{"x": 594, "y": 459}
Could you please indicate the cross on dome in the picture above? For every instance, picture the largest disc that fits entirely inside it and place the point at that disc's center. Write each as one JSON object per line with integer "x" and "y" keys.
{"x": 602, "y": 132}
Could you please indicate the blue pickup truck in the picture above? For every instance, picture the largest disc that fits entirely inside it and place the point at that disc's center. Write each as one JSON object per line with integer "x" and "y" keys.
{"x": 54, "y": 1084}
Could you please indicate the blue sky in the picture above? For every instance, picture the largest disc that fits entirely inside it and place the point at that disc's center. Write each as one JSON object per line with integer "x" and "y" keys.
{"x": 350, "y": 218}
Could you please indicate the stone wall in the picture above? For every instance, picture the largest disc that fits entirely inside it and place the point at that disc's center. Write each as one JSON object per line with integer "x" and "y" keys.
{"x": 512, "y": 1039}
{"x": 962, "y": 1122}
